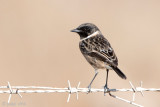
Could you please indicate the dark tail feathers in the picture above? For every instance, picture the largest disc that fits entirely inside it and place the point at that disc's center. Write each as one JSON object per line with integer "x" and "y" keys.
{"x": 119, "y": 72}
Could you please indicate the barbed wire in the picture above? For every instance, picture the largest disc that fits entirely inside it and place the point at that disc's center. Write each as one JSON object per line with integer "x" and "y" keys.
{"x": 37, "y": 89}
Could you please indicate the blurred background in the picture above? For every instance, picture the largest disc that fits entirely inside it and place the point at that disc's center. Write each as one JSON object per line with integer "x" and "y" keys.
{"x": 37, "y": 48}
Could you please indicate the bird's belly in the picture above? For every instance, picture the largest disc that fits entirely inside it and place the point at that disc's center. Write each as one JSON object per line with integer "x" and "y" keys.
{"x": 97, "y": 64}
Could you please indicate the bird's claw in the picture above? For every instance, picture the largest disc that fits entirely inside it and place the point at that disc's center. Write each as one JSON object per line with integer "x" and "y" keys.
{"x": 89, "y": 89}
{"x": 106, "y": 90}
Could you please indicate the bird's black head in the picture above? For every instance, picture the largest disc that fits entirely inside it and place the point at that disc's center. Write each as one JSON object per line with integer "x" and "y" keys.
{"x": 85, "y": 30}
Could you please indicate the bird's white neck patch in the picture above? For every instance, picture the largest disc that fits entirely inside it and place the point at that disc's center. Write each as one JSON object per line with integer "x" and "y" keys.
{"x": 93, "y": 34}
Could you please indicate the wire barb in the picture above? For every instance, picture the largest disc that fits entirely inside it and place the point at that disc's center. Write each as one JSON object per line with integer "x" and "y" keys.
{"x": 10, "y": 89}
{"x": 134, "y": 91}
{"x": 70, "y": 91}
{"x": 141, "y": 87}
{"x": 77, "y": 89}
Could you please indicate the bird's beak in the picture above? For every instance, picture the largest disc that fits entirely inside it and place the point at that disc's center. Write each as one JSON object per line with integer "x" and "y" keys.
{"x": 76, "y": 30}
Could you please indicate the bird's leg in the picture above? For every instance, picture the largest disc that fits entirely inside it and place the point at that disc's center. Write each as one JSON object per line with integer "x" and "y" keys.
{"x": 89, "y": 86}
{"x": 106, "y": 85}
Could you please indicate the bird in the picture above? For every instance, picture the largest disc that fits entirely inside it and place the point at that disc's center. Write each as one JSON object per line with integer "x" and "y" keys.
{"x": 97, "y": 51}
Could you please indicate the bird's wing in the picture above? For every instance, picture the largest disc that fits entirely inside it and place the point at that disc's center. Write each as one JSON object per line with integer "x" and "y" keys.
{"x": 102, "y": 50}
{"x": 101, "y": 57}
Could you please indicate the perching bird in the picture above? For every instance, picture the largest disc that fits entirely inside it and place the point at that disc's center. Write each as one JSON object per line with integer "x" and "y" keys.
{"x": 97, "y": 50}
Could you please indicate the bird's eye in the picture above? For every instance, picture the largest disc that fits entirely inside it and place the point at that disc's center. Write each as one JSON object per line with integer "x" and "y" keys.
{"x": 87, "y": 29}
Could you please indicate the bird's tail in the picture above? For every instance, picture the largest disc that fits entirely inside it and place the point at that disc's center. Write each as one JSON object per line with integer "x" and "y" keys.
{"x": 119, "y": 72}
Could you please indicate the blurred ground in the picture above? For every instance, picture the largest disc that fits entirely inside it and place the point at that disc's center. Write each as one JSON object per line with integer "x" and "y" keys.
{"x": 37, "y": 48}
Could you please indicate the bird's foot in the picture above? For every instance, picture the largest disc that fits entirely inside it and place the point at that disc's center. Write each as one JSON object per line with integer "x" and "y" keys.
{"x": 89, "y": 89}
{"x": 106, "y": 90}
